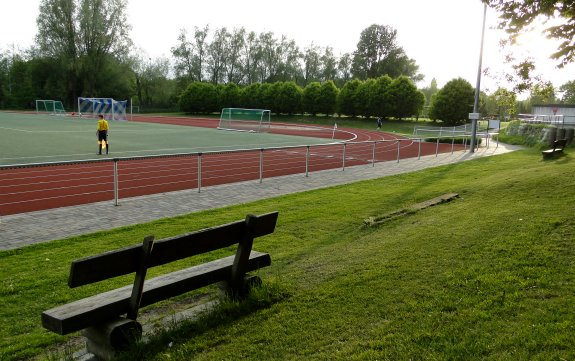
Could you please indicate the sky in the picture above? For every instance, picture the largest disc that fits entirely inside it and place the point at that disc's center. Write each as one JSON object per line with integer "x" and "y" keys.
{"x": 442, "y": 36}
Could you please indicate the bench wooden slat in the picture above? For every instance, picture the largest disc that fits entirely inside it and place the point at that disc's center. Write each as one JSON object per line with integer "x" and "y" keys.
{"x": 124, "y": 261}
{"x": 92, "y": 310}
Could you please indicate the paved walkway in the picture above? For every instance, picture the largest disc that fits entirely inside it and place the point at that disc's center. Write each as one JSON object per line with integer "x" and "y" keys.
{"x": 24, "y": 229}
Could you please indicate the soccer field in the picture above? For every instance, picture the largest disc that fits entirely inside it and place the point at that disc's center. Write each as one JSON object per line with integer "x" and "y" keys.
{"x": 34, "y": 138}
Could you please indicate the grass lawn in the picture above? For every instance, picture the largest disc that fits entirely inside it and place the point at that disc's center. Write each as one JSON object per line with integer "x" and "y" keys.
{"x": 490, "y": 275}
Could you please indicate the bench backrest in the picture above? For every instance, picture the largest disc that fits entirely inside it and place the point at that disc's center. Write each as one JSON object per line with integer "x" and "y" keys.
{"x": 127, "y": 260}
{"x": 559, "y": 143}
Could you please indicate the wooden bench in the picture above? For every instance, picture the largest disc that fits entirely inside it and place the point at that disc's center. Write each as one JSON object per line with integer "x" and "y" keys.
{"x": 558, "y": 146}
{"x": 100, "y": 316}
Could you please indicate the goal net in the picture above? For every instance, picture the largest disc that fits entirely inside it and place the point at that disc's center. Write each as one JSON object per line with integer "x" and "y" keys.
{"x": 52, "y": 107}
{"x": 245, "y": 120}
{"x": 108, "y": 107}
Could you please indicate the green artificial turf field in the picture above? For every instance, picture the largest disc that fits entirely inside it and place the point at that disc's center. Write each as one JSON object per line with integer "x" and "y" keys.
{"x": 33, "y": 138}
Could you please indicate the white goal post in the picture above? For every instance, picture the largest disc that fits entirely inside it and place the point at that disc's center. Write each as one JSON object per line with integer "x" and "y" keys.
{"x": 111, "y": 109}
{"x": 52, "y": 107}
{"x": 245, "y": 120}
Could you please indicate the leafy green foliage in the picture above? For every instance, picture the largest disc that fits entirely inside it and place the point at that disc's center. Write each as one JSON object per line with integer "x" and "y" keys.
{"x": 380, "y": 101}
{"x": 87, "y": 39}
{"x": 503, "y": 103}
{"x": 379, "y": 54}
{"x": 311, "y": 94}
{"x": 404, "y": 98}
{"x": 532, "y": 135}
{"x": 347, "y": 98}
{"x": 453, "y": 103}
{"x": 229, "y": 96}
{"x": 430, "y": 91}
{"x": 568, "y": 90}
{"x": 364, "y": 99}
{"x": 289, "y": 98}
{"x": 199, "y": 98}
{"x": 517, "y": 15}
{"x": 327, "y": 98}
{"x": 543, "y": 93}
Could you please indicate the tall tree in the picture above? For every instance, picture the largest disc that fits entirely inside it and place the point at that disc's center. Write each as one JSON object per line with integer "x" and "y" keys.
{"x": 453, "y": 103}
{"x": 312, "y": 64}
{"x": 269, "y": 64}
{"x": 5, "y": 83}
{"x": 430, "y": 90}
{"x": 327, "y": 98}
{"x": 217, "y": 55}
{"x": 379, "y": 54}
{"x": 251, "y": 56}
{"x": 329, "y": 65}
{"x": 235, "y": 68}
{"x": 103, "y": 34}
{"x": 543, "y": 93}
{"x": 568, "y": 90}
{"x": 505, "y": 102}
{"x": 184, "y": 61}
{"x": 406, "y": 100}
{"x": 290, "y": 55}
{"x": 311, "y": 94}
{"x": 56, "y": 39}
{"x": 346, "y": 99}
{"x": 153, "y": 88}
{"x": 344, "y": 69}
{"x": 84, "y": 36}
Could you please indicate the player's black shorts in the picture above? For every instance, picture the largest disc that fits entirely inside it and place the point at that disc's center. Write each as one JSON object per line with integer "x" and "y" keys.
{"x": 102, "y": 135}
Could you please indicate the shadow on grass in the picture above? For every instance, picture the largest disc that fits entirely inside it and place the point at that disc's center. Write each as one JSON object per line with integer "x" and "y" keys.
{"x": 222, "y": 314}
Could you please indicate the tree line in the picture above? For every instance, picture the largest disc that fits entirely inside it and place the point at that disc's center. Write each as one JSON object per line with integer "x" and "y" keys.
{"x": 381, "y": 97}
{"x": 83, "y": 49}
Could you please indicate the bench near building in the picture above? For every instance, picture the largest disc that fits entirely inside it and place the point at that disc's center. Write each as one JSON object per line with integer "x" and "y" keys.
{"x": 108, "y": 320}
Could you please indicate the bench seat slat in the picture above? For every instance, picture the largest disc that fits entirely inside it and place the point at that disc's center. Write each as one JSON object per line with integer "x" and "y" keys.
{"x": 124, "y": 261}
{"x": 96, "y": 309}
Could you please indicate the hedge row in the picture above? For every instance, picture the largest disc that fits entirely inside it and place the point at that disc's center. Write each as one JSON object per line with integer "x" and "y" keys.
{"x": 382, "y": 97}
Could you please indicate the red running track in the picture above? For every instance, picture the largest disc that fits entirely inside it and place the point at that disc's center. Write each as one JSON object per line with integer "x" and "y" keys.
{"x": 44, "y": 187}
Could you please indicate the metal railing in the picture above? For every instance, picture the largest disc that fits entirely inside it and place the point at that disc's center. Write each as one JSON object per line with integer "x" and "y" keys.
{"x": 27, "y": 187}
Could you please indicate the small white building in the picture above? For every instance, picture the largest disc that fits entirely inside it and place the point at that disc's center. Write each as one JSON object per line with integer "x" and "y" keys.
{"x": 558, "y": 113}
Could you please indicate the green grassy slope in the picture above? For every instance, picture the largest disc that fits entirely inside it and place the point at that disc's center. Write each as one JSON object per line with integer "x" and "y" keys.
{"x": 488, "y": 276}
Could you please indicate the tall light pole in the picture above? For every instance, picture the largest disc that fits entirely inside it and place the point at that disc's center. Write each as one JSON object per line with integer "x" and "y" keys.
{"x": 477, "y": 87}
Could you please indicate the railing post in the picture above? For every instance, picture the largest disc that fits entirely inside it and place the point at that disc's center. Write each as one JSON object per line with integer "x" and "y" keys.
{"x": 437, "y": 147}
{"x": 343, "y": 158}
{"x": 307, "y": 161}
{"x": 116, "y": 181}
{"x": 199, "y": 172}
{"x": 419, "y": 149}
{"x": 373, "y": 154}
{"x": 398, "y": 148}
{"x": 261, "y": 164}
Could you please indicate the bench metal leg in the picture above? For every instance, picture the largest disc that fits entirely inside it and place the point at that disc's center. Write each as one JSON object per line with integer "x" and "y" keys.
{"x": 104, "y": 341}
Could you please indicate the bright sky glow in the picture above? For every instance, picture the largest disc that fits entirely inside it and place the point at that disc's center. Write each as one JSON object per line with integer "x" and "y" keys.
{"x": 443, "y": 36}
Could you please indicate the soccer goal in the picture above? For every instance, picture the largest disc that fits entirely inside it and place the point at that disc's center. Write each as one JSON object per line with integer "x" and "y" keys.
{"x": 245, "y": 120}
{"x": 108, "y": 107}
{"x": 52, "y": 107}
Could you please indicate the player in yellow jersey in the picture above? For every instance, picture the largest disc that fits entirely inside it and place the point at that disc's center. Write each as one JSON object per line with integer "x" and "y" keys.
{"x": 102, "y": 133}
